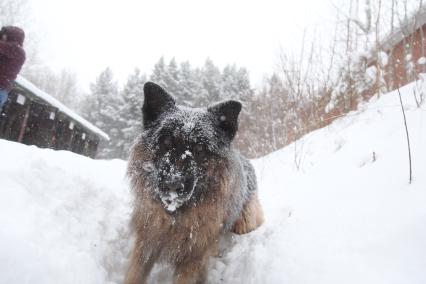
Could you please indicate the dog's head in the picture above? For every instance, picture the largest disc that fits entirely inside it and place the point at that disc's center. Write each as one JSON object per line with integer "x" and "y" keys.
{"x": 185, "y": 143}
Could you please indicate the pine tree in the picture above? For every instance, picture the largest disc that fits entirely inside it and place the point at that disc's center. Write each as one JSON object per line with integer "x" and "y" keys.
{"x": 131, "y": 113}
{"x": 102, "y": 107}
{"x": 245, "y": 91}
{"x": 229, "y": 85}
{"x": 235, "y": 84}
{"x": 200, "y": 94}
{"x": 211, "y": 79}
{"x": 167, "y": 76}
{"x": 159, "y": 73}
{"x": 171, "y": 78}
{"x": 192, "y": 92}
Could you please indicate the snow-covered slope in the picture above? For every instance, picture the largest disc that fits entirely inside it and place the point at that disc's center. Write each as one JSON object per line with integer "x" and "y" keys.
{"x": 63, "y": 217}
{"x": 342, "y": 217}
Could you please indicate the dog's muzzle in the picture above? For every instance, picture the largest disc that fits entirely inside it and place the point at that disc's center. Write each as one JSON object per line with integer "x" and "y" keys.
{"x": 176, "y": 193}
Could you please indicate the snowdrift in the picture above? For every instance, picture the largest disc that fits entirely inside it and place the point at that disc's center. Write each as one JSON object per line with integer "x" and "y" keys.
{"x": 348, "y": 214}
{"x": 342, "y": 213}
{"x": 63, "y": 217}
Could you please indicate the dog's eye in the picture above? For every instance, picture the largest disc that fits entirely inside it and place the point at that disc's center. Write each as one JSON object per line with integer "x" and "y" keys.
{"x": 166, "y": 143}
{"x": 199, "y": 151}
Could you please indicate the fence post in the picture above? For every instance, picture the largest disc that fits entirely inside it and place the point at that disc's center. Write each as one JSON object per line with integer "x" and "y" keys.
{"x": 24, "y": 124}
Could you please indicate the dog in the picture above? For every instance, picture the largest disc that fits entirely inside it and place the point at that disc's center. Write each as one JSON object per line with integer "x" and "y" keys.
{"x": 190, "y": 186}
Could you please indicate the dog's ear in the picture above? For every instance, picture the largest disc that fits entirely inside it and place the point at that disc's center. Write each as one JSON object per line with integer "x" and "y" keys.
{"x": 156, "y": 102}
{"x": 226, "y": 114}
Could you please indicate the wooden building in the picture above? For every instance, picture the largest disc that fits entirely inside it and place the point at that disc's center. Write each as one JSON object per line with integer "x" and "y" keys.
{"x": 405, "y": 49}
{"x": 33, "y": 117}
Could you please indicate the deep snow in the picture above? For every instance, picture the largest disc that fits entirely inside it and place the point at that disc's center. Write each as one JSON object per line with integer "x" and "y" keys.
{"x": 63, "y": 217}
{"x": 342, "y": 217}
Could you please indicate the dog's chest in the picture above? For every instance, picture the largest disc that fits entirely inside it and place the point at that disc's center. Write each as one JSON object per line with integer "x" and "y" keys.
{"x": 181, "y": 237}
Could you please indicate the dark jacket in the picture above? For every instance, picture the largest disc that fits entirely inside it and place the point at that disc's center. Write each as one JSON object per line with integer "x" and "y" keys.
{"x": 12, "y": 55}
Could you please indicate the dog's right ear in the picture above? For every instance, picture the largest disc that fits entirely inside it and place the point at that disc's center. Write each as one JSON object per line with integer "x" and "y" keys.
{"x": 156, "y": 102}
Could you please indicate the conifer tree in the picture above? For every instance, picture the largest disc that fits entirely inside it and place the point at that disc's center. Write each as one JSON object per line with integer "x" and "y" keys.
{"x": 211, "y": 79}
{"x": 131, "y": 114}
{"x": 192, "y": 91}
{"x": 171, "y": 78}
{"x": 159, "y": 73}
{"x": 102, "y": 107}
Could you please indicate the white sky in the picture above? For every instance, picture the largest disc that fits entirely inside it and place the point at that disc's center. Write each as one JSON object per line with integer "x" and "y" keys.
{"x": 87, "y": 36}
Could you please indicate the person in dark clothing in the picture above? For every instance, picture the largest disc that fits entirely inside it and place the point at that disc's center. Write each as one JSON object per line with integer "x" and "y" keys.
{"x": 12, "y": 57}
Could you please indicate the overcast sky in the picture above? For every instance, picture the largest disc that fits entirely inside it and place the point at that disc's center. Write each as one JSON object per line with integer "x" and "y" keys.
{"x": 87, "y": 36}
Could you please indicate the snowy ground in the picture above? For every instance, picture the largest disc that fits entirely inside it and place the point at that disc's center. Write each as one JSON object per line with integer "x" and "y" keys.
{"x": 340, "y": 218}
{"x": 63, "y": 217}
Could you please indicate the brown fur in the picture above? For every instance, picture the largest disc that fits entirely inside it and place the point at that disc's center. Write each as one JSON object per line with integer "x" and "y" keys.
{"x": 185, "y": 239}
{"x": 251, "y": 217}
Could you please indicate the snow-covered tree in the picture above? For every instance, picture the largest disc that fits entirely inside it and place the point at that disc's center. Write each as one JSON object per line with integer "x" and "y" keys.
{"x": 211, "y": 79}
{"x": 235, "y": 84}
{"x": 102, "y": 107}
{"x": 63, "y": 85}
{"x": 130, "y": 112}
{"x": 159, "y": 72}
{"x": 200, "y": 94}
{"x": 171, "y": 78}
{"x": 192, "y": 92}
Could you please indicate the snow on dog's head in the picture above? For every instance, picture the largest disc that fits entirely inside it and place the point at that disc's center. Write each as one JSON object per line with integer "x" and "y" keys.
{"x": 182, "y": 143}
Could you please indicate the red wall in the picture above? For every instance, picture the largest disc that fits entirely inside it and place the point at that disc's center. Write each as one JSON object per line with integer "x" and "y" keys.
{"x": 395, "y": 71}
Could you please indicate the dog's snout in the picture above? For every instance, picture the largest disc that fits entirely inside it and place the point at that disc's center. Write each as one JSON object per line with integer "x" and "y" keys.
{"x": 174, "y": 186}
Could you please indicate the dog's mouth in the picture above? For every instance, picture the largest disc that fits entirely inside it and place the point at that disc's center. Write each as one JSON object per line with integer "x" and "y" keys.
{"x": 173, "y": 199}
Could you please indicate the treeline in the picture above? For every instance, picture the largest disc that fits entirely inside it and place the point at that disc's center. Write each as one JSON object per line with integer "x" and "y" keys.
{"x": 271, "y": 117}
{"x": 118, "y": 110}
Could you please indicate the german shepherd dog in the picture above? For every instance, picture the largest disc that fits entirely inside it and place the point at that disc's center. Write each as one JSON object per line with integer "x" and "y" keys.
{"x": 190, "y": 186}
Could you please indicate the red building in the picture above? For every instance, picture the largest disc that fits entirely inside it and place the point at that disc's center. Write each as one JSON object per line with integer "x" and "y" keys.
{"x": 406, "y": 52}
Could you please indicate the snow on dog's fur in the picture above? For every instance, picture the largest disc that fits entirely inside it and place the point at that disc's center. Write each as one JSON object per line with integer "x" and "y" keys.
{"x": 190, "y": 186}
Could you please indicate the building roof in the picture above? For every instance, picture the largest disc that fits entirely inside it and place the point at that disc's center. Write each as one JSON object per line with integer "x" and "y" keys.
{"x": 24, "y": 83}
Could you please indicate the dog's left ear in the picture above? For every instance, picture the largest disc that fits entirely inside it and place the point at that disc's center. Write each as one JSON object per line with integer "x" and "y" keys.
{"x": 226, "y": 114}
{"x": 156, "y": 102}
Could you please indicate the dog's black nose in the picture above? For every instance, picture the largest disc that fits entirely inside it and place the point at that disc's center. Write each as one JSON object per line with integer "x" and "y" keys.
{"x": 174, "y": 186}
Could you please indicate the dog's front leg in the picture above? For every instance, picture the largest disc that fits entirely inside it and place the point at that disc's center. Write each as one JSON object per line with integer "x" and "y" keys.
{"x": 140, "y": 266}
{"x": 193, "y": 271}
